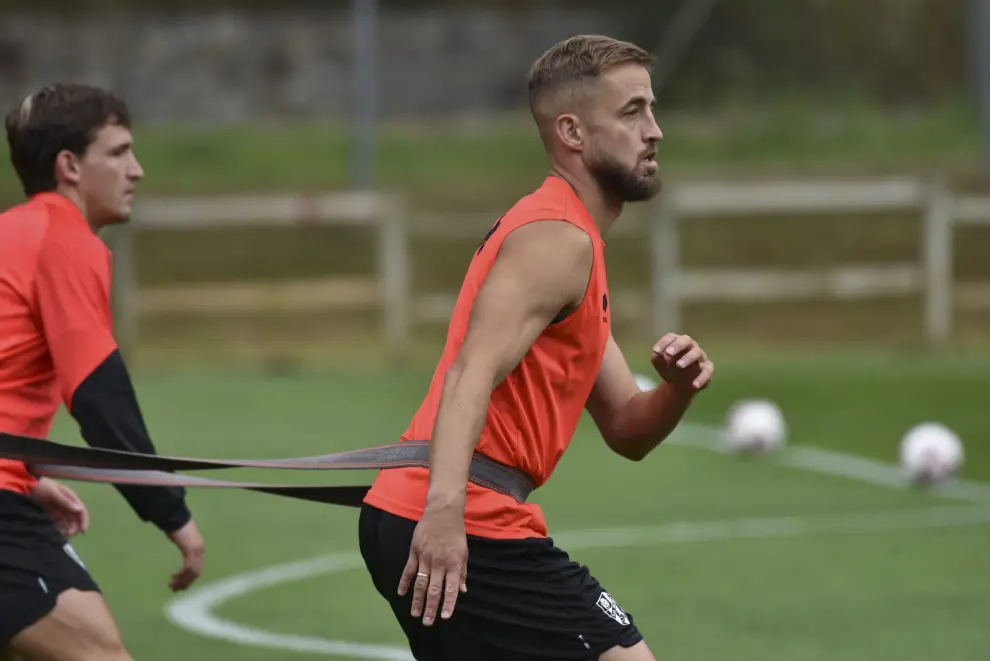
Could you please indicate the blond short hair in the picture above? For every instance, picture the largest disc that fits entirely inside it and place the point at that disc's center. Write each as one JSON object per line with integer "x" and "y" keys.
{"x": 578, "y": 60}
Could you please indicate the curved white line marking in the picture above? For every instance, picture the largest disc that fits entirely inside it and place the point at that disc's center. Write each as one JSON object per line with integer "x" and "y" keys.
{"x": 194, "y": 611}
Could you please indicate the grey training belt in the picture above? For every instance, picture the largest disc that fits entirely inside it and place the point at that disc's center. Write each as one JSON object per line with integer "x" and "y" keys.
{"x": 51, "y": 459}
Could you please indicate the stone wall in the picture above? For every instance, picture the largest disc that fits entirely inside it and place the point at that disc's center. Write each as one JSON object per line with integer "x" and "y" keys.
{"x": 237, "y": 66}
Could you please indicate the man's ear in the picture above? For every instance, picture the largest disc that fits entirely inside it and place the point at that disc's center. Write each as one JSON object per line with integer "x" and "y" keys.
{"x": 67, "y": 167}
{"x": 570, "y": 132}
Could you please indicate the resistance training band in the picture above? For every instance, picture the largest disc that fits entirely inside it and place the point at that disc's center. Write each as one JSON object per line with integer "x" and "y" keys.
{"x": 85, "y": 464}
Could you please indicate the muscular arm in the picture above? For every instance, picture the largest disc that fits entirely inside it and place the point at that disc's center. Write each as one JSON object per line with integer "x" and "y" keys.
{"x": 73, "y": 310}
{"x": 542, "y": 268}
{"x": 632, "y": 422}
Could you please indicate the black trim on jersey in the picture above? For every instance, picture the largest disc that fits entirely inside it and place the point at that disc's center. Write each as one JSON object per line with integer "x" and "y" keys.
{"x": 106, "y": 408}
{"x": 562, "y": 315}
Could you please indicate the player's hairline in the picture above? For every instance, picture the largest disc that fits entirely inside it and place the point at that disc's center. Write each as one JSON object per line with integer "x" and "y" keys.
{"x": 581, "y": 78}
{"x": 21, "y": 117}
{"x": 543, "y": 84}
{"x": 543, "y": 102}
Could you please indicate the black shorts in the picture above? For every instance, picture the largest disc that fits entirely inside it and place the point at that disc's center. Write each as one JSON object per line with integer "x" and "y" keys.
{"x": 526, "y": 600}
{"x": 37, "y": 564}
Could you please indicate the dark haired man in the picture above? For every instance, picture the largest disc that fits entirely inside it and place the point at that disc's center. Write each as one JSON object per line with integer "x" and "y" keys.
{"x": 71, "y": 147}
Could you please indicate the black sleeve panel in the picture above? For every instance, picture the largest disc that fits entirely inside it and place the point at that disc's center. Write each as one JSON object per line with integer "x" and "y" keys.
{"x": 106, "y": 408}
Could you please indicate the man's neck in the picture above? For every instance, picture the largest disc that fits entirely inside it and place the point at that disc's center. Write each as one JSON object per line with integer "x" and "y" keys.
{"x": 72, "y": 195}
{"x": 603, "y": 211}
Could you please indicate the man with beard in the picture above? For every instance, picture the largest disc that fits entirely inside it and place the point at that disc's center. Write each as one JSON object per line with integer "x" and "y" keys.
{"x": 529, "y": 348}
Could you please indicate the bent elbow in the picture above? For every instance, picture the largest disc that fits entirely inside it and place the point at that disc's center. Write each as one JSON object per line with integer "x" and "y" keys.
{"x": 635, "y": 454}
{"x": 626, "y": 447}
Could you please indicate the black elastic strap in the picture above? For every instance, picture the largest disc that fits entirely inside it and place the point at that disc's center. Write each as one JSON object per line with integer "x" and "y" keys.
{"x": 120, "y": 467}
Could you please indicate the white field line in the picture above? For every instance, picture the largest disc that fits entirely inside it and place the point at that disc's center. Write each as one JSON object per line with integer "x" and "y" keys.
{"x": 194, "y": 611}
{"x": 786, "y": 526}
{"x": 830, "y": 462}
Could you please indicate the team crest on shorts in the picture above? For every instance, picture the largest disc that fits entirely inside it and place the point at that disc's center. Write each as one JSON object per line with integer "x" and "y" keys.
{"x": 71, "y": 552}
{"x": 612, "y": 609}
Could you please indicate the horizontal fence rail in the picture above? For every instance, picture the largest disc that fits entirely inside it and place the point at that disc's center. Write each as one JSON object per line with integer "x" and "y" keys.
{"x": 671, "y": 285}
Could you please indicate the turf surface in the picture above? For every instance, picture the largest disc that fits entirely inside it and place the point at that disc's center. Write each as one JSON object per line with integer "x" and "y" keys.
{"x": 860, "y": 595}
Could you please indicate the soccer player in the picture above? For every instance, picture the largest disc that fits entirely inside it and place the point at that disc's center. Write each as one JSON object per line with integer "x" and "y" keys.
{"x": 529, "y": 348}
{"x": 71, "y": 148}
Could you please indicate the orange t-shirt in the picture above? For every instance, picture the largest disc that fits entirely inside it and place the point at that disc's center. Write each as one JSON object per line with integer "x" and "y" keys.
{"x": 55, "y": 320}
{"x": 533, "y": 413}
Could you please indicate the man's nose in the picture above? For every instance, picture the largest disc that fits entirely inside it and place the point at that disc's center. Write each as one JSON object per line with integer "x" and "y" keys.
{"x": 653, "y": 132}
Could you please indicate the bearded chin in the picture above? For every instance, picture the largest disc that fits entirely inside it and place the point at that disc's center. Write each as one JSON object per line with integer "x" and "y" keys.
{"x": 622, "y": 183}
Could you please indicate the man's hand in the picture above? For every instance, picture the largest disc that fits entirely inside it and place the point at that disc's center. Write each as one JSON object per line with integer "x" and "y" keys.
{"x": 64, "y": 507}
{"x": 192, "y": 546}
{"x": 682, "y": 363}
{"x": 437, "y": 562}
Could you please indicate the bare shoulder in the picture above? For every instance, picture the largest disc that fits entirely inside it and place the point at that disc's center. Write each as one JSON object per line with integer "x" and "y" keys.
{"x": 548, "y": 246}
{"x": 542, "y": 266}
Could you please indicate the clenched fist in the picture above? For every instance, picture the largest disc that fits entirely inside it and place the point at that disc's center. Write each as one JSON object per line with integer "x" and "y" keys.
{"x": 682, "y": 363}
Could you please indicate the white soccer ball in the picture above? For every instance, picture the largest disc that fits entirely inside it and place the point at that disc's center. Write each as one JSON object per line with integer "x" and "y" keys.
{"x": 930, "y": 453}
{"x": 755, "y": 425}
{"x": 644, "y": 382}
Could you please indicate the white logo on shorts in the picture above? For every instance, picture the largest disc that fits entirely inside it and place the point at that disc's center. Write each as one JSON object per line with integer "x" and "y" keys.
{"x": 71, "y": 552}
{"x": 612, "y": 609}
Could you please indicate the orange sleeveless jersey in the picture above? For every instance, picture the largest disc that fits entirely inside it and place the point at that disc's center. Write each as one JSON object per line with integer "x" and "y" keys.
{"x": 533, "y": 413}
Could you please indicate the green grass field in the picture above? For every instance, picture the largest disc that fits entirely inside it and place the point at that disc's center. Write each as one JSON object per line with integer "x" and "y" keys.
{"x": 720, "y": 558}
{"x": 471, "y": 171}
{"x": 717, "y": 558}
{"x": 461, "y": 165}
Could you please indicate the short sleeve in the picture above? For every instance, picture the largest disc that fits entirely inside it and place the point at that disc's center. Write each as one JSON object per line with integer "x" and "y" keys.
{"x": 72, "y": 295}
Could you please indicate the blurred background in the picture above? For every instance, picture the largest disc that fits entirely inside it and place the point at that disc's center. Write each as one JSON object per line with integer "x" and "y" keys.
{"x": 424, "y": 102}
{"x": 318, "y": 175}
